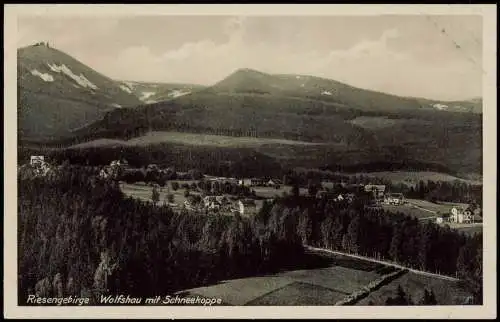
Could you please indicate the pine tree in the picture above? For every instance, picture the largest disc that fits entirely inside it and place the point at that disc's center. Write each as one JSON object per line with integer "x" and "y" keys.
{"x": 155, "y": 197}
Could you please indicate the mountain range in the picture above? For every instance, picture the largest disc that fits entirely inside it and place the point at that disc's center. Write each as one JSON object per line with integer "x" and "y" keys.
{"x": 62, "y": 100}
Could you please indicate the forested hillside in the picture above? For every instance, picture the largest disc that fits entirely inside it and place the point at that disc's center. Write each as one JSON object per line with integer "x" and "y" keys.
{"x": 72, "y": 226}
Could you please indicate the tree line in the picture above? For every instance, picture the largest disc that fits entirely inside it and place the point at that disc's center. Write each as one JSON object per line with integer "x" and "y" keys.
{"x": 373, "y": 232}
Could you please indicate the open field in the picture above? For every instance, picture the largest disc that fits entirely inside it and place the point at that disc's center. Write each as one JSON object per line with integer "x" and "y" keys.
{"x": 409, "y": 210}
{"x": 297, "y": 293}
{"x": 441, "y": 207}
{"x": 317, "y": 286}
{"x": 144, "y": 192}
{"x": 157, "y": 137}
{"x": 446, "y": 292}
{"x": 411, "y": 178}
{"x": 342, "y": 276}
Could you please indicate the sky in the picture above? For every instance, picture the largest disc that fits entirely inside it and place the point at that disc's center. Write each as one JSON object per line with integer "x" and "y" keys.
{"x": 437, "y": 57}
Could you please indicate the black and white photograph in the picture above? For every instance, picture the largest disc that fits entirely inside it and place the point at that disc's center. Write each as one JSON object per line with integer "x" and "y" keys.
{"x": 237, "y": 158}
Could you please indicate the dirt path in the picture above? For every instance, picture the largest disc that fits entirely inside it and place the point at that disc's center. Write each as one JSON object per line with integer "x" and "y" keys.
{"x": 445, "y": 277}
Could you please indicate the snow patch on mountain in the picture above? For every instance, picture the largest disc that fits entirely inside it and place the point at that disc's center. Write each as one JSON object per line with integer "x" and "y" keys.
{"x": 116, "y": 105}
{"x": 79, "y": 79}
{"x": 326, "y": 93}
{"x": 440, "y": 106}
{"x": 126, "y": 89}
{"x": 178, "y": 92}
{"x": 46, "y": 77}
{"x": 145, "y": 95}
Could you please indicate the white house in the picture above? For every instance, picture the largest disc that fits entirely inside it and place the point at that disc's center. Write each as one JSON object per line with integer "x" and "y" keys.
{"x": 251, "y": 182}
{"x": 394, "y": 199}
{"x": 247, "y": 207}
{"x": 37, "y": 160}
{"x": 460, "y": 215}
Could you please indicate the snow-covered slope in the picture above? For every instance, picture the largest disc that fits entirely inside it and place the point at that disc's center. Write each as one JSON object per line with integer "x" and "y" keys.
{"x": 157, "y": 92}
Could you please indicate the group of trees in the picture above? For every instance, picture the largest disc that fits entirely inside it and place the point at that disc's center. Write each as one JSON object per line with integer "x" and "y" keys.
{"x": 372, "y": 232}
{"x": 79, "y": 235}
{"x": 454, "y": 191}
{"x": 219, "y": 161}
{"x": 402, "y": 298}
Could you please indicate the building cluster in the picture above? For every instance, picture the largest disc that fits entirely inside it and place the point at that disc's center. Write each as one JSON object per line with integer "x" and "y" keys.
{"x": 461, "y": 215}
{"x": 259, "y": 182}
{"x": 114, "y": 169}
{"x": 39, "y": 166}
{"x": 377, "y": 193}
{"x": 221, "y": 204}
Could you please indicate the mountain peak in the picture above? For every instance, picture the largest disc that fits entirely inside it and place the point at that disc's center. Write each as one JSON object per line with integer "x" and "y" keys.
{"x": 55, "y": 86}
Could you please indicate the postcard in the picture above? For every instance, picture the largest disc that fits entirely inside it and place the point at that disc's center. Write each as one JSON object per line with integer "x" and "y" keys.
{"x": 250, "y": 161}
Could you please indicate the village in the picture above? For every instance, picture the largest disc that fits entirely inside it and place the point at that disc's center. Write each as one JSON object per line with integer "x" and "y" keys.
{"x": 196, "y": 192}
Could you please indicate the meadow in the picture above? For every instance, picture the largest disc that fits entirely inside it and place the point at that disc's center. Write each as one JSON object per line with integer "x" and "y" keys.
{"x": 411, "y": 178}
{"x": 314, "y": 286}
{"x": 328, "y": 285}
{"x": 157, "y": 137}
{"x": 144, "y": 192}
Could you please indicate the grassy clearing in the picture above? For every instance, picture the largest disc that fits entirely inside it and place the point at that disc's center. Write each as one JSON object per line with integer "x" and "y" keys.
{"x": 328, "y": 285}
{"x": 242, "y": 291}
{"x": 157, "y": 137}
{"x": 299, "y": 294}
{"x": 144, "y": 192}
{"x": 436, "y": 207}
{"x": 409, "y": 210}
{"x": 316, "y": 286}
{"x": 447, "y": 292}
{"x": 411, "y": 178}
{"x": 340, "y": 279}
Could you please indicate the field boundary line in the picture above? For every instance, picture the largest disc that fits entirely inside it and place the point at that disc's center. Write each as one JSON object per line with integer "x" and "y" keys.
{"x": 267, "y": 293}
{"x": 424, "y": 209}
{"x": 416, "y": 271}
{"x": 321, "y": 286}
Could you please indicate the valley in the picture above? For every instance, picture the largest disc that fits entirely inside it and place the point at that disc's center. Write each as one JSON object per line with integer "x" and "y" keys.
{"x": 163, "y": 175}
